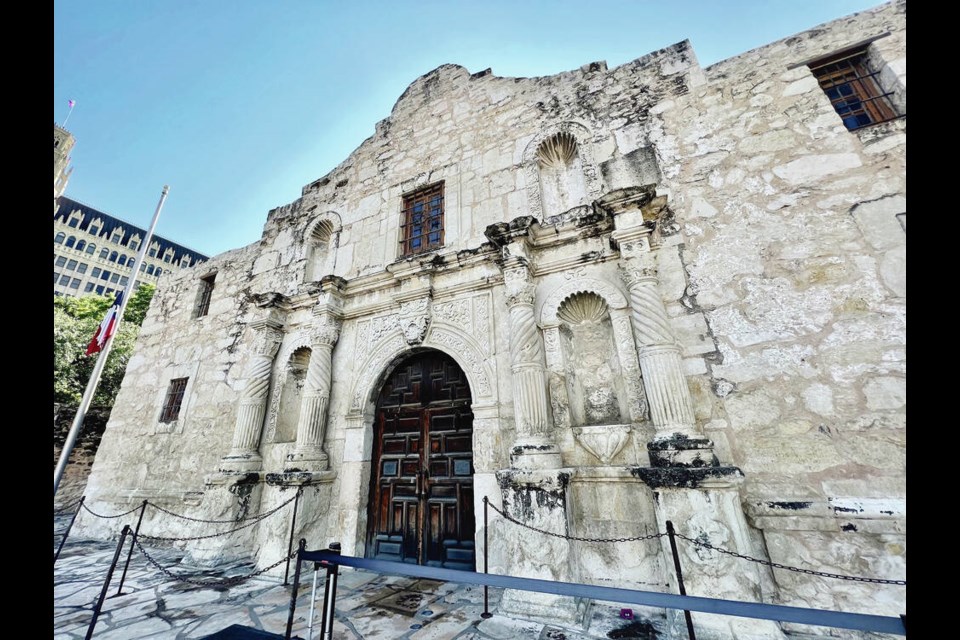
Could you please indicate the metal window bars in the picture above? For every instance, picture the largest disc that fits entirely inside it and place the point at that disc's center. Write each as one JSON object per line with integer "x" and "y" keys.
{"x": 854, "y": 90}
{"x": 422, "y": 228}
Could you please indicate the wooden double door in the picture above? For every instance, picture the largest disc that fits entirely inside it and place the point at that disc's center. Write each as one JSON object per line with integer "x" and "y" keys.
{"x": 421, "y": 490}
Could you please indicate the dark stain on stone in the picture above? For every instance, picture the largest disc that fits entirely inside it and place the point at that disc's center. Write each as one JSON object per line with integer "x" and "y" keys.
{"x": 636, "y": 630}
{"x": 243, "y": 488}
{"x": 846, "y": 510}
{"x": 849, "y": 527}
{"x": 789, "y": 505}
{"x": 686, "y": 477}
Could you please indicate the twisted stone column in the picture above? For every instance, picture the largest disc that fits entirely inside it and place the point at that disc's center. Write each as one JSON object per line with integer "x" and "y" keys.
{"x": 243, "y": 454}
{"x": 671, "y": 407}
{"x": 309, "y": 454}
{"x": 535, "y": 447}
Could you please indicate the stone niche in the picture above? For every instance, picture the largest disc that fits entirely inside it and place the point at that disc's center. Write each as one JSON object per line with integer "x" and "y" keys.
{"x": 588, "y": 389}
{"x": 294, "y": 375}
{"x": 562, "y": 184}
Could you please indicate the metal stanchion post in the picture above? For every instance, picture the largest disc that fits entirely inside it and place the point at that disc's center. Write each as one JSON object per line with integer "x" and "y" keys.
{"x": 123, "y": 576}
{"x": 676, "y": 563}
{"x": 293, "y": 525}
{"x": 106, "y": 583}
{"x": 486, "y": 547}
{"x": 69, "y": 526}
{"x": 313, "y": 600}
{"x": 335, "y": 548}
{"x": 293, "y": 592}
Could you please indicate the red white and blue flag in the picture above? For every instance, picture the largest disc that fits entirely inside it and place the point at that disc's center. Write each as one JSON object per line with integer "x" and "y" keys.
{"x": 107, "y": 327}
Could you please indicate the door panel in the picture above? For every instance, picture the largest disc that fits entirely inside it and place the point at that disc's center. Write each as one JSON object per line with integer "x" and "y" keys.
{"x": 422, "y": 496}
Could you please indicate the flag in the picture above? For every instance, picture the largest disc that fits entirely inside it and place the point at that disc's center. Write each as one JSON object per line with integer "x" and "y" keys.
{"x": 107, "y": 327}
{"x": 71, "y": 103}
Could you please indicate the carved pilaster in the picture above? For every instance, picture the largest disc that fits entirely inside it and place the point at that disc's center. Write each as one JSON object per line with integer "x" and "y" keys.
{"x": 243, "y": 455}
{"x": 659, "y": 354}
{"x": 535, "y": 446}
{"x": 309, "y": 454}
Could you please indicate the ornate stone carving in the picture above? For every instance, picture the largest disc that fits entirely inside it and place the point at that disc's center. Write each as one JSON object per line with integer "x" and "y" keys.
{"x": 573, "y": 133}
{"x": 604, "y": 442}
{"x": 459, "y": 346}
{"x": 519, "y": 288}
{"x": 374, "y": 366}
{"x": 456, "y": 312}
{"x": 414, "y": 319}
{"x": 611, "y": 295}
{"x": 266, "y": 340}
{"x": 327, "y": 330}
{"x": 481, "y": 325}
{"x": 371, "y": 332}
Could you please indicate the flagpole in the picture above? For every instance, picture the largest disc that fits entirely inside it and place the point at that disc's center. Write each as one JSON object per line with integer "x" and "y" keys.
{"x": 102, "y": 359}
{"x": 64, "y": 125}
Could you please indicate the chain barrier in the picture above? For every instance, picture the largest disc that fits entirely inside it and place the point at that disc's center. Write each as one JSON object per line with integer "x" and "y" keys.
{"x": 119, "y": 515}
{"x": 222, "y": 533}
{"x": 566, "y": 537}
{"x": 223, "y": 582}
{"x": 777, "y": 565}
{"x": 178, "y": 515}
{"x": 67, "y": 508}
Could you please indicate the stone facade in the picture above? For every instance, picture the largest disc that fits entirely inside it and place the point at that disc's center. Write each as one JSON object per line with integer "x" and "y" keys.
{"x": 677, "y": 293}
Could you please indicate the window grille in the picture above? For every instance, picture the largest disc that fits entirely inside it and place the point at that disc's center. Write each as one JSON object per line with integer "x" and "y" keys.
{"x": 422, "y": 227}
{"x": 173, "y": 401}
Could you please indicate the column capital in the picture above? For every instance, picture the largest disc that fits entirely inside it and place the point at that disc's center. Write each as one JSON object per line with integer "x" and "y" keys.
{"x": 267, "y": 335}
{"x": 518, "y": 282}
{"x": 326, "y": 330}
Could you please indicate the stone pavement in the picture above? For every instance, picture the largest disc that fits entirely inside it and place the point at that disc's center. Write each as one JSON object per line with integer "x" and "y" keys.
{"x": 369, "y": 606}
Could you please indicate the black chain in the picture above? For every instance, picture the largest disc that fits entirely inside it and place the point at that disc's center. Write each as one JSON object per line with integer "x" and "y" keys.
{"x": 178, "y": 515}
{"x": 224, "y": 582}
{"x": 566, "y": 537}
{"x": 69, "y": 507}
{"x": 221, "y": 533}
{"x": 777, "y": 565}
{"x": 119, "y": 515}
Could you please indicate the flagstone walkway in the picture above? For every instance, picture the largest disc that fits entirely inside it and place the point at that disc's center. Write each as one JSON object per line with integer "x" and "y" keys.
{"x": 369, "y": 606}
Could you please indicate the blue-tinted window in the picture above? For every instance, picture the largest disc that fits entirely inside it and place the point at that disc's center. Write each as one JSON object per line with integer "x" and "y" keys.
{"x": 60, "y": 237}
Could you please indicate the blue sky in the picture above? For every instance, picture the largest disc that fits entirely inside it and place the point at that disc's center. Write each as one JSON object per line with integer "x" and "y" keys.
{"x": 238, "y": 105}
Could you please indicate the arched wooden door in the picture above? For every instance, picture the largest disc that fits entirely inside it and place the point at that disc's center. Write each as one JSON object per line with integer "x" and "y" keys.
{"x": 421, "y": 490}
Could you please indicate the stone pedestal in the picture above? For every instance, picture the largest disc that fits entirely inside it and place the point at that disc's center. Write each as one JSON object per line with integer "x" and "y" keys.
{"x": 229, "y": 496}
{"x": 537, "y": 498}
{"x": 704, "y": 504}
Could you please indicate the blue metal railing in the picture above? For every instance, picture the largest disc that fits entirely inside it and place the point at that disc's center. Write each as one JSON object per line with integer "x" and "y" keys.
{"x": 820, "y": 617}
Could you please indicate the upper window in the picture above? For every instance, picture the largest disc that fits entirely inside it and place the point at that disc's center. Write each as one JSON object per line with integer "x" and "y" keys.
{"x": 60, "y": 237}
{"x": 91, "y": 248}
{"x": 153, "y": 253}
{"x": 81, "y": 245}
{"x": 73, "y": 222}
{"x": 94, "y": 230}
{"x": 72, "y": 240}
{"x": 173, "y": 401}
{"x": 206, "y": 290}
{"x": 854, "y": 89}
{"x": 104, "y": 252}
{"x": 422, "y": 228}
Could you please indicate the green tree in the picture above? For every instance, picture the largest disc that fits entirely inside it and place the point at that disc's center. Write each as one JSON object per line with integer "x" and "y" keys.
{"x": 75, "y": 321}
